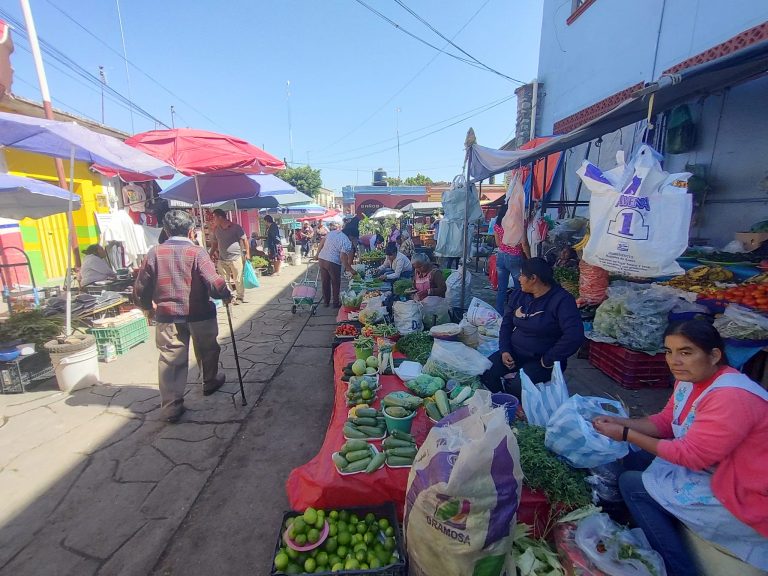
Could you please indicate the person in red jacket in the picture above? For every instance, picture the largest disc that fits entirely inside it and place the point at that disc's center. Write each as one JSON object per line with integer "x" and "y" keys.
{"x": 710, "y": 471}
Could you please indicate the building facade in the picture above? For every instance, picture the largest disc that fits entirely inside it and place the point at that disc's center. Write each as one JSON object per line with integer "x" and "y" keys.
{"x": 371, "y": 198}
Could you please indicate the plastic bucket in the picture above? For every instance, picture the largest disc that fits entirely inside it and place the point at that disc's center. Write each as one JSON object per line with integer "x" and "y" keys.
{"x": 76, "y": 370}
{"x": 402, "y": 424}
{"x": 363, "y": 353}
{"x": 510, "y": 403}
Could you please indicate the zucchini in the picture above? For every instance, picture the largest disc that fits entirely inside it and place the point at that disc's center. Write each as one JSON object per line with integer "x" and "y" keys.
{"x": 399, "y": 461}
{"x": 441, "y": 399}
{"x": 371, "y": 431}
{"x": 376, "y": 463}
{"x": 406, "y": 401}
{"x": 402, "y": 452}
{"x": 352, "y": 445}
{"x": 356, "y": 455}
{"x": 466, "y": 393}
{"x": 432, "y": 410}
{"x": 364, "y": 421}
{"x": 358, "y": 465}
{"x": 397, "y": 411}
{"x": 340, "y": 461}
{"x": 366, "y": 413}
{"x": 395, "y": 443}
{"x": 400, "y": 435}
{"x": 351, "y": 432}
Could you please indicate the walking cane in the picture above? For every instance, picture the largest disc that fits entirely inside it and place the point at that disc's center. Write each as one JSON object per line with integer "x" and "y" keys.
{"x": 237, "y": 359}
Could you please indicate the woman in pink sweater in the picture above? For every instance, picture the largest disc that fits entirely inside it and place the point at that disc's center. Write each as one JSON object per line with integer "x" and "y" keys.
{"x": 710, "y": 443}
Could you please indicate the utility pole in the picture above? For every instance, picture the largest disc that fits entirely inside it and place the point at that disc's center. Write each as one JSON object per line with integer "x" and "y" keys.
{"x": 125, "y": 60}
{"x": 290, "y": 128}
{"x": 173, "y": 114}
{"x": 103, "y": 78}
{"x": 308, "y": 162}
{"x": 397, "y": 133}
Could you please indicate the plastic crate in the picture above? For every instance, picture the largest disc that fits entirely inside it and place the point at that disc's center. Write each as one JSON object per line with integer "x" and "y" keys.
{"x": 384, "y": 511}
{"x": 123, "y": 337}
{"x": 632, "y": 370}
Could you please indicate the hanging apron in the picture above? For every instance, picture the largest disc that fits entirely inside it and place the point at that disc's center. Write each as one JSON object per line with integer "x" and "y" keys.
{"x": 687, "y": 494}
{"x": 423, "y": 283}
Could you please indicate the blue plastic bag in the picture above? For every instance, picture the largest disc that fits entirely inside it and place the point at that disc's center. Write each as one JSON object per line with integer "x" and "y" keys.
{"x": 571, "y": 435}
{"x": 541, "y": 401}
{"x": 250, "y": 280}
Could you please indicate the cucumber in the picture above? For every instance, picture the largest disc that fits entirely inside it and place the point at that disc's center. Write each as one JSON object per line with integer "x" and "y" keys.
{"x": 441, "y": 399}
{"x": 466, "y": 393}
{"x": 364, "y": 421}
{"x": 376, "y": 463}
{"x": 356, "y": 455}
{"x": 371, "y": 431}
{"x": 358, "y": 465}
{"x": 400, "y": 435}
{"x": 432, "y": 410}
{"x": 408, "y": 401}
{"x": 367, "y": 413}
{"x": 352, "y": 432}
{"x": 352, "y": 445}
{"x": 398, "y": 461}
{"x": 395, "y": 443}
{"x": 340, "y": 461}
{"x": 397, "y": 411}
{"x": 402, "y": 452}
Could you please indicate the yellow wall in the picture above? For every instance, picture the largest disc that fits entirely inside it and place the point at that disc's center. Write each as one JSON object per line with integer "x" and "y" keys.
{"x": 45, "y": 239}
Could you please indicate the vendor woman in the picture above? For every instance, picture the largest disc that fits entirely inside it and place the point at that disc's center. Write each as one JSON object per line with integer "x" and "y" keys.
{"x": 541, "y": 326}
{"x": 710, "y": 471}
{"x": 95, "y": 267}
{"x": 427, "y": 279}
{"x": 396, "y": 265}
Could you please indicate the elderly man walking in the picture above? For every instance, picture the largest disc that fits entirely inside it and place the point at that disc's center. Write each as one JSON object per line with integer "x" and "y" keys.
{"x": 180, "y": 278}
{"x": 230, "y": 246}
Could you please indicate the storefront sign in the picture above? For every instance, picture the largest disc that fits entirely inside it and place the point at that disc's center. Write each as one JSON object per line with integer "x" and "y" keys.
{"x": 368, "y": 207}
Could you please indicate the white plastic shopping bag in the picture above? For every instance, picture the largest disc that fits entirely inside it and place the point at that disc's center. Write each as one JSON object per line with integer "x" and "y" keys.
{"x": 639, "y": 216}
{"x": 542, "y": 400}
{"x": 463, "y": 494}
{"x": 480, "y": 313}
{"x": 570, "y": 432}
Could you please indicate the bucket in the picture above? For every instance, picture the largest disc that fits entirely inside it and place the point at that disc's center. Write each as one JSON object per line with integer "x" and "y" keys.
{"x": 402, "y": 424}
{"x": 363, "y": 353}
{"x": 76, "y": 370}
{"x": 509, "y": 402}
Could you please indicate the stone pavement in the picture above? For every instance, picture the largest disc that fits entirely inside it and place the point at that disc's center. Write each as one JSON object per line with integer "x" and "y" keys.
{"x": 94, "y": 483}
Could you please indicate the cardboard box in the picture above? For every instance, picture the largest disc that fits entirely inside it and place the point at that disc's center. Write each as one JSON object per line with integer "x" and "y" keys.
{"x": 751, "y": 240}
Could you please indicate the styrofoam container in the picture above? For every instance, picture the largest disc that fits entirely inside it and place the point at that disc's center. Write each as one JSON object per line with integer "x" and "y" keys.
{"x": 408, "y": 370}
{"x": 76, "y": 370}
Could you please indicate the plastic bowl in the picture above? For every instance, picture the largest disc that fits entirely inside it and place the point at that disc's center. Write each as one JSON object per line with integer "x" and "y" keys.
{"x": 9, "y": 355}
{"x": 510, "y": 403}
{"x": 291, "y": 544}
{"x": 402, "y": 424}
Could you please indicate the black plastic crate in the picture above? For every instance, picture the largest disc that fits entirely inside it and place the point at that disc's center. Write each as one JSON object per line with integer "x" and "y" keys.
{"x": 384, "y": 511}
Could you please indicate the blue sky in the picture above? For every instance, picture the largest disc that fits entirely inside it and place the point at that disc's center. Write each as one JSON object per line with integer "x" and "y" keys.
{"x": 227, "y": 64}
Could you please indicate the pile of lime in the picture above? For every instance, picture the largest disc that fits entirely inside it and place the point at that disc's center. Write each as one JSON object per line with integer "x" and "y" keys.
{"x": 354, "y": 543}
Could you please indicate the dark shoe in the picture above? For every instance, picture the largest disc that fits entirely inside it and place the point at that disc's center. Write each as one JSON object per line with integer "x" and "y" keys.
{"x": 235, "y": 302}
{"x": 337, "y": 305}
{"x": 209, "y": 389}
{"x": 173, "y": 414}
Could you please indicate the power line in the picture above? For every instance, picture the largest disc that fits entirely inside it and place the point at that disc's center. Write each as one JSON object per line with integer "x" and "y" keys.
{"x": 459, "y": 48}
{"x": 408, "y": 83}
{"x": 146, "y": 74}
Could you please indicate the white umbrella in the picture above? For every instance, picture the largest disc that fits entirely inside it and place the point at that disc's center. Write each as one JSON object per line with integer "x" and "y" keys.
{"x": 383, "y": 213}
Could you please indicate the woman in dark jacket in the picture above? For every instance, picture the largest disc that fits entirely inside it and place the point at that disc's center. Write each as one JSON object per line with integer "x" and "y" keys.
{"x": 541, "y": 326}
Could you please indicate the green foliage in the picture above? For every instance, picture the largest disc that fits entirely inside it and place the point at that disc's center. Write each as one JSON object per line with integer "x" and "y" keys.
{"x": 304, "y": 178}
{"x": 391, "y": 181}
{"x": 30, "y": 326}
{"x": 382, "y": 227}
{"x": 418, "y": 180}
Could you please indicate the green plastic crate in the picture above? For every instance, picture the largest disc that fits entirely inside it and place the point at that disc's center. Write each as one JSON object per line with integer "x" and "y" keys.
{"x": 123, "y": 337}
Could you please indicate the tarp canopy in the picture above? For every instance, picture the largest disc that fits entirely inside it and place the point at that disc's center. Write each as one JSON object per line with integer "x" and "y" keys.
{"x": 422, "y": 207}
{"x": 668, "y": 91}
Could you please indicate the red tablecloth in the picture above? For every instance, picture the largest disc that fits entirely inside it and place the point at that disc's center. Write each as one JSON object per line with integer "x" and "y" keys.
{"x": 317, "y": 483}
{"x": 343, "y": 315}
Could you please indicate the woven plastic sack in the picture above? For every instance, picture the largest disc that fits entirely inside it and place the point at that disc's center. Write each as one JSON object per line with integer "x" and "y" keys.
{"x": 407, "y": 317}
{"x": 480, "y": 313}
{"x": 463, "y": 494}
{"x": 570, "y": 432}
{"x": 453, "y": 289}
{"x": 541, "y": 400}
{"x": 250, "y": 280}
{"x": 434, "y": 311}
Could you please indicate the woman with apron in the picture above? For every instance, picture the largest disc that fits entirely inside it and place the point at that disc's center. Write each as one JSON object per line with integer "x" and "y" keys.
{"x": 710, "y": 441}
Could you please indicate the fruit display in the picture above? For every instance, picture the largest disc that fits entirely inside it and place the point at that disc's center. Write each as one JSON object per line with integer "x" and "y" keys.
{"x": 371, "y": 294}
{"x": 355, "y": 541}
{"x": 362, "y": 389}
{"x": 356, "y": 456}
{"x": 346, "y": 331}
{"x": 761, "y": 278}
{"x": 399, "y": 449}
{"x": 365, "y": 423}
{"x": 753, "y": 295}
{"x": 700, "y": 279}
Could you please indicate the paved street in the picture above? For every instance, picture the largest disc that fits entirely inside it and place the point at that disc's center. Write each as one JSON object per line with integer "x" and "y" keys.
{"x": 95, "y": 484}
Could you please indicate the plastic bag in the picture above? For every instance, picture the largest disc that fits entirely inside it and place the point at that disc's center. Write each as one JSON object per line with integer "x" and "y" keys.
{"x": 571, "y": 435}
{"x": 617, "y": 550}
{"x": 250, "y": 280}
{"x": 453, "y": 289}
{"x": 639, "y": 216}
{"x": 540, "y": 401}
{"x": 434, "y": 311}
{"x": 480, "y": 313}
{"x": 742, "y": 324}
{"x": 455, "y": 360}
{"x": 460, "y": 512}
{"x": 469, "y": 334}
{"x": 407, "y": 317}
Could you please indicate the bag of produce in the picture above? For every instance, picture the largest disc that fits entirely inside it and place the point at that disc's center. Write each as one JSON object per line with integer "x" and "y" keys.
{"x": 460, "y": 512}
{"x": 407, "y": 317}
{"x": 541, "y": 400}
{"x": 434, "y": 311}
{"x": 618, "y": 550}
{"x": 480, "y": 313}
{"x": 571, "y": 435}
{"x": 741, "y": 323}
{"x": 469, "y": 334}
{"x": 454, "y": 360}
{"x": 453, "y": 289}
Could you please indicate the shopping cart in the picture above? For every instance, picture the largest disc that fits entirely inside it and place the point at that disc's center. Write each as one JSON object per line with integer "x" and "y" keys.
{"x": 304, "y": 292}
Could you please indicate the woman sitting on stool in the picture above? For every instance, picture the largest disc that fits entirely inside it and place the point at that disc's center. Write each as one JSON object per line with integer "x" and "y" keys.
{"x": 541, "y": 326}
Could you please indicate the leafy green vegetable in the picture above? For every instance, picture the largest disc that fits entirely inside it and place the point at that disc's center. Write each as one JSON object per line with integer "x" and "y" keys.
{"x": 534, "y": 557}
{"x": 546, "y": 472}
{"x": 416, "y": 346}
{"x": 259, "y": 262}
{"x": 425, "y": 385}
{"x": 400, "y": 286}
{"x": 30, "y": 326}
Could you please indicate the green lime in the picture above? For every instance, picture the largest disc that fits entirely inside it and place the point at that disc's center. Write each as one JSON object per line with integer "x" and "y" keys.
{"x": 334, "y": 514}
{"x": 322, "y": 558}
{"x": 320, "y": 523}
{"x": 310, "y": 565}
{"x": 344, "y": 515}
{"x": 299, "y": 526}
{"x": 362, "y": 528}
{"x": 301, "y": 540}
{"x": 342, "y": 526}
{"x": 374, "y": 563}
{"x": 370, "y": 518}
{"x": 332, "y": 530}
{"x": 353, "y": 519}
{"x": 383, "y": 524}
{"x": 292, "y": 554}
{"x": 344, "y": 538}
{"x": 321, "y": 513}
{"x": 369, "y": 537}
{"x": 293, "y": 569}
{"x": 390, "y": 544}
{"x": 351, "y": 564}
{"x": 282, "y": 561}
{"x": 310, "y": 516}
{"x": 383, "y": 556}
{"x": 331, "y": 545}
{"x": 313, "y": 536}
{"x": 363, "y": 566}
{"x": 361, "y": 556}
{"x": 342, "y": 552}
{"x": 390, "y": 531}
{"x": 337, "y": 567}
{"x": 359, "y": 547}
{"x": 289, "y": 521}
{"x": 333, "y": 560}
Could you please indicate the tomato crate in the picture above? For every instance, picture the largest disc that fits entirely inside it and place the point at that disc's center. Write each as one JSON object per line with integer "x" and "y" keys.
{"x": 124, "y": 337}
{"x": 632, "y": 370}
{"x": 399, "y": 568}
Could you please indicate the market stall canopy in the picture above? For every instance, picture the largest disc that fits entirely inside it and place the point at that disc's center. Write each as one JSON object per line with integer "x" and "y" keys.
{"x": 383, "y": 213}
{"x": 69, "y": 139}
{"x": 422, "y": 207}
{"x": 29, "y": 198}
{"x": 668, "y": 91}
{"x": 297, "y": 210}
{"x": 327, "y": 215}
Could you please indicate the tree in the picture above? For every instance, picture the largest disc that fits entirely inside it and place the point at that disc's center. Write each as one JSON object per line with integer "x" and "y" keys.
{"x": 418, "y": 180}
{"x": 391, "y": 181}
{"x": 303, "y": 178}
